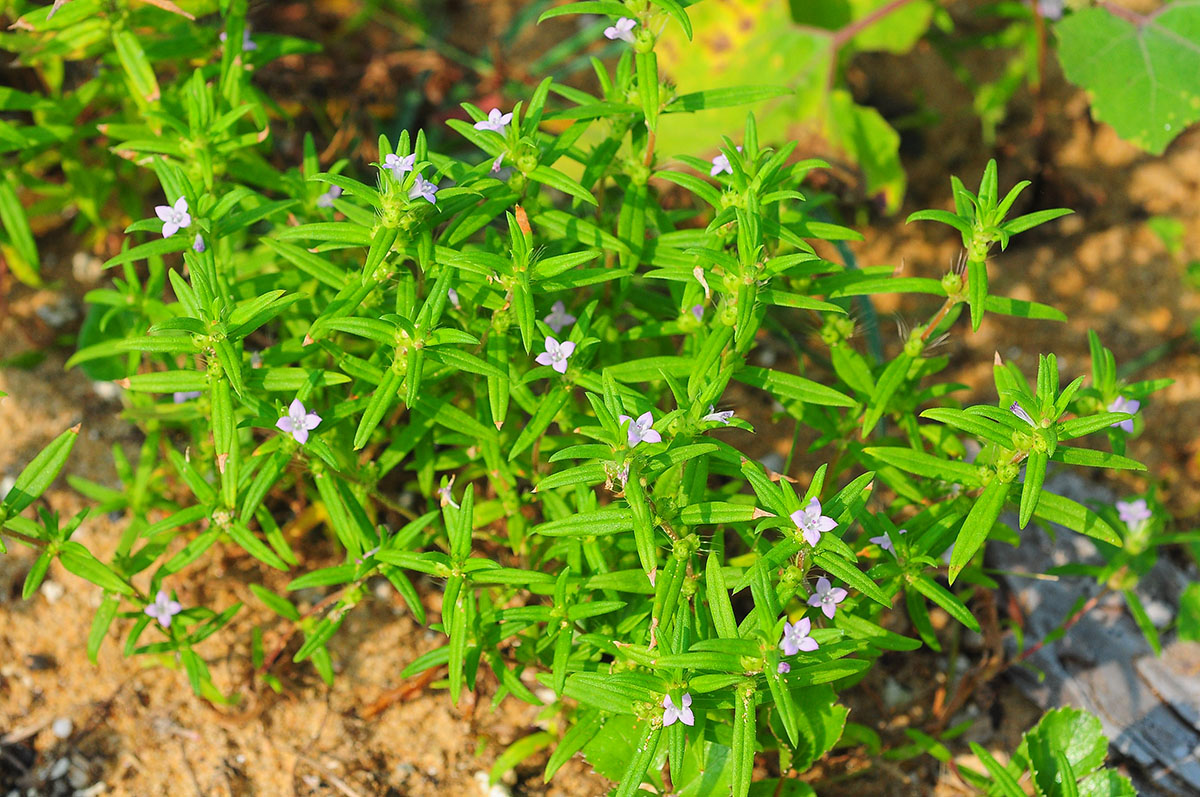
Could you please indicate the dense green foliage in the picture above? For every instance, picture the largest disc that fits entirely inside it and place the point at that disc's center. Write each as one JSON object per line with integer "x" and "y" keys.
{"x": 539, "y": 352}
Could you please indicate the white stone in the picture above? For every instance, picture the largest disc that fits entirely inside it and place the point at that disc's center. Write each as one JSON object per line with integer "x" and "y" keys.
{"x": 62, "y": 727}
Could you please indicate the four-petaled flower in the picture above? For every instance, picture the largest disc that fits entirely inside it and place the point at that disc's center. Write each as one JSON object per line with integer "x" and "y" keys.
{"x": 1134, "y": 513}
{"x": 827, "y": 597}
{"x": 1122, "y": 404}
{"x": 556, "y": 354}
{"x": 1015, "y": 409}
{"x": 623, "y": 30}
{"x": 718, "y": 417}
{"x": 325, "y": 200}
{"x": 399, "y": 166}
{"x": 671, "y": 715}
{"x": 884, "y": 540}
{"x": 198, "y": 245}
{"x": 811, "y": 523}
{"x": 186, "y": 395}
{"x": 796, "y": 638}
{"x": 639, "y": 430}
{"x": 163, "y": 608}
{"x": 424, "y": 189}
{"x": 496, "y": 121}
{"x": 298, "y": 422}
{"x": 174, "y": 217}
{"x": 559, "y": 318}
{"x": 720, "y": 164}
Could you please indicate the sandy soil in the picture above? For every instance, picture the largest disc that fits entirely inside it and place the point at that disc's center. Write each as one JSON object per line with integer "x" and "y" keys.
{"x": 136, "y": 727}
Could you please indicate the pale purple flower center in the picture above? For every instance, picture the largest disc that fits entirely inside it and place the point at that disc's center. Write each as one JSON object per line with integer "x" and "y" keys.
{"x": 683, "y": 713}
{"x": 163, "y": 609}
{"x": 884, "y": 541}
{"x": 424, "y": 189}
{"x": 1134, "y": 513}
{"x": 559, "y": 318}
{"x": 720, "y": 164}
{"x": 623, "y": 30}
{"x": 496, "y": 121}
{"x": 640, "y": 429}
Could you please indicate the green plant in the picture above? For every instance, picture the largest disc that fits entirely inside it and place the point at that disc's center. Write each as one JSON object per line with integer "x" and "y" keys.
{"x": 510, "y": 383}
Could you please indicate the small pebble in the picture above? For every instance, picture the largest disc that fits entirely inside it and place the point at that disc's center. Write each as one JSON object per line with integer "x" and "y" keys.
{"x": 108, "y": 391}
{"x": 62, "y": 727}
{"x": 59, "y": 768}
{"x": 486, "y": 790}
{"x": 53, "y": 591}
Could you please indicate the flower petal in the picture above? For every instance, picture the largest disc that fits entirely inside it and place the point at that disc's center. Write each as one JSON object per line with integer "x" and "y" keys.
{"x": 284, "y": 423}
{"x": 808, "y": 644}
{"x": 301, "y": 435}
{"x": 312, "y": 421}
{"x": 296, "y": 409}
{"x": 838, "y": 594}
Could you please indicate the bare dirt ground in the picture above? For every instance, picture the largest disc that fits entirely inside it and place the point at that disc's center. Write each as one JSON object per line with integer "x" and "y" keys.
{"x": 135, "y": 726}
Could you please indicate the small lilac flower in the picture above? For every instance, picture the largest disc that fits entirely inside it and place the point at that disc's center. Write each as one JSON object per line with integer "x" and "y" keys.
{"x": 298, "y": 422}
{"x": 452, "y": 295}
{"x": 496, "y": 122}
{"x": 399, "y": 166}
{"x": 884, "y": 541}
{"x": 639, "y": 430}
{"x": 163, "y": 609}
{"x": 446, "y": 496}
{"x": 671, "y": 715}
{"x": 1015, "y": 409}
{"x": 784, "y": 668}
{"x": 424, "y": 189}
{"x": 796, "y": 638}
{"x": 811, "y": 523}
{"x": 496, "y": 164}
{"x": 720, "y": 164}
{"x": 718, "y": 417}
{"x": 1050, "y": 9}
{"x": 1122, "y": 404}
{"x": 698, "y": 312}
{"x": 198, "y": 244}
{"x": 185, "y": 396}
{"x": 1134, "y": 514}
{"x": 827, "y": 597}
{"x": 174, "y": 217}
{"x": 248, "y": 44}
{"x": 325, "y": 200}
{"x": 559, "y": 318}
{"x": 623, "y": 30}
{"x": 556, "y": 354}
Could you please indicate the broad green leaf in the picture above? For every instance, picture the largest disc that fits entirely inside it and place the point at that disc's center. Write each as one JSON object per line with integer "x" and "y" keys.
{"x": 1139, "y": 70}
